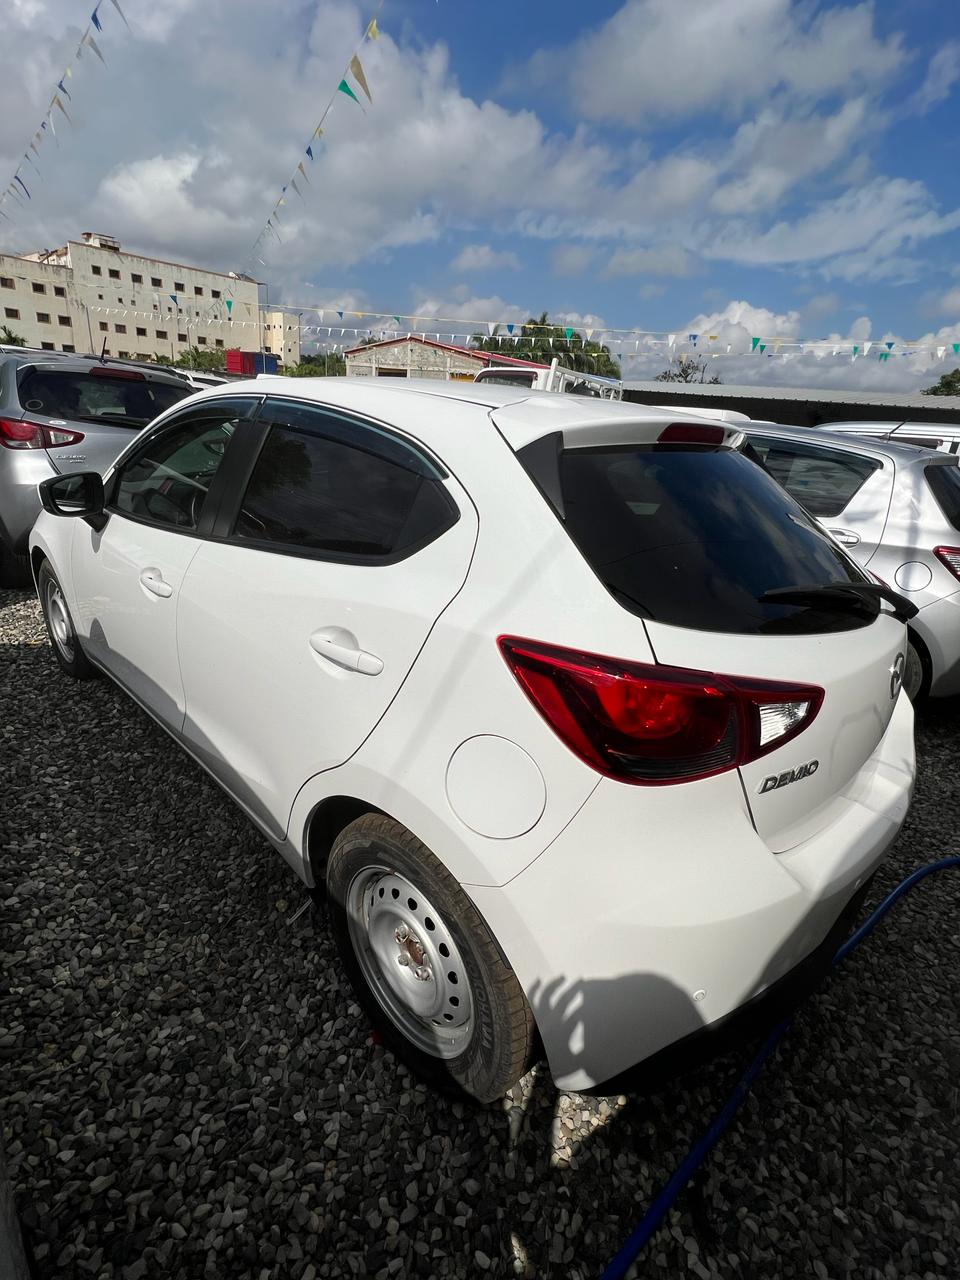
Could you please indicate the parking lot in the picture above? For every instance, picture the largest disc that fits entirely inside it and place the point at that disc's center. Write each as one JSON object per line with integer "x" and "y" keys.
{"x": 188, "y": 1089}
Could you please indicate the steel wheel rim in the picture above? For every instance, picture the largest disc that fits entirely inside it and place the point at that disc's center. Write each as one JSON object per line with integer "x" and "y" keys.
{"x": 410, "y": 961}
{"x": 61, "y": 628}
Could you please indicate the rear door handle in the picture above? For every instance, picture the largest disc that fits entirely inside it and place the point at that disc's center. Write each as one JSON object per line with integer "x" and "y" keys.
{"x": 845, "y": 537}
{"x": 345, "y": 654}
{"x": 152, "y": 579}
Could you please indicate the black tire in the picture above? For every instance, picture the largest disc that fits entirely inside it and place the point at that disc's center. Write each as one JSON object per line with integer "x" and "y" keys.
{"x": 499, "y": 1041}
{"x": 60, "y": 629}
{"x": 14, "y": 569}
{"x": 916, "y": 671}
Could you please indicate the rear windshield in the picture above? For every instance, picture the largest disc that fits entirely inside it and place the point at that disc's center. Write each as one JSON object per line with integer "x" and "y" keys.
{"x": 96, "y": 397}
{"x": 945, "y": 483}
{"x": 693, "y": 536}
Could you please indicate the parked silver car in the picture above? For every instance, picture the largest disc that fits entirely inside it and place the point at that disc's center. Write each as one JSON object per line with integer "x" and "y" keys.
{"x": 58, "y": 413}
{"x": 930, "y": 435}
{"x": 896, "y": 510}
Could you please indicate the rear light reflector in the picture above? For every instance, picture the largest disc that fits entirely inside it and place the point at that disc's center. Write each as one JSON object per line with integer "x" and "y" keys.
{"x": 692, "y": 433}
{"x": 950, "y": 556}
{"x": 108, "y": 371}
{"x": 655, "y": 725}
{"x": 20, "y": 433}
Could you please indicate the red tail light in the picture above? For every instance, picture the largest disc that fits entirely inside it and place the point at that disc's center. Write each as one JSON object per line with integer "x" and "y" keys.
{"x": 18, "y": 433}
{"x": 950, "y": 556}
{"x": 654, "y": 725}
{"x": 692, "y": 433}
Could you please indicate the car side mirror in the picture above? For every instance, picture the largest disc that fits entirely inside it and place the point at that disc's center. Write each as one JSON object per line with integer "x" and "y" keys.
{"x": 78, "y": 494}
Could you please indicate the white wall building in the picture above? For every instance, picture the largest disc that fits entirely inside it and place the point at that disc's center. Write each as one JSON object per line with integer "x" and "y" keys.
{"x": 416, "y": 357}
{"x": 91, "y": 294}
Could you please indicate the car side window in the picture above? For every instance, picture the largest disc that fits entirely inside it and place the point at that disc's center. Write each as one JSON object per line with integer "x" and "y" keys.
{"x": 824, "y": 481}
{"x": 334, "y": 487}
{"x": 166, "y": 481}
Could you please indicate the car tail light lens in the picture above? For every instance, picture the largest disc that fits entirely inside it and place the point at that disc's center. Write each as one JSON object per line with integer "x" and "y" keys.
{"x": 692, "y": 433}
{"x": 950, "y": 557}
{"x": 655, "y": 725}
{"x": 109, "y": 371}
{"x": 19, "y": 433}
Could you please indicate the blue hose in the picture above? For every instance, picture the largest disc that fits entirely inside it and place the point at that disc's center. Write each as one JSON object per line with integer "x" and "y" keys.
{"x": 661, "y": 1206}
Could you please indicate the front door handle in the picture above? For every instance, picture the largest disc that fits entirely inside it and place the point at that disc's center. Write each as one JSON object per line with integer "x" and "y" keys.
{"x": 845, "y": 537}
{"x": 152, "y": 579}
{"x": 340, "y": 647}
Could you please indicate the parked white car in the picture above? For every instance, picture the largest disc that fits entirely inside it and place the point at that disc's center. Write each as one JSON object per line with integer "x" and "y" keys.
{"x": 895, "y": 507}
{"x": 929, "y": 435}
{"x": 586, "y": 727}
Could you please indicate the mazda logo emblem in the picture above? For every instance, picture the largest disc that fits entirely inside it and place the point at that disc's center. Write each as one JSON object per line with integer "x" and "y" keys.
{"x": 896, "y": 675}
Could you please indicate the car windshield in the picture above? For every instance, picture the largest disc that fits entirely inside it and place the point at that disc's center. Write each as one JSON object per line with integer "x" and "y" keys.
{"x": 696, "y": 537}
{"x": 97, "y": 397}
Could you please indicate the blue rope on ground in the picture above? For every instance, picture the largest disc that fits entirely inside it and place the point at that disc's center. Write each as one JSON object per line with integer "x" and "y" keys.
{"x": 663, "y": 1203}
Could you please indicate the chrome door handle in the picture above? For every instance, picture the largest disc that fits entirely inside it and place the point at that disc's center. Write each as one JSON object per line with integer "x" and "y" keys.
{"x": 152, "y": 579}
{"x": 845, "y": 537}
{"x": 346, "y": 655}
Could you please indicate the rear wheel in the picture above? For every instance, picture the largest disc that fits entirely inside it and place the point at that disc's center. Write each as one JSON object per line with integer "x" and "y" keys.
{"x": 916, "y": 672}
{"x": 60, "y": 629}
{"x": 424, "y": 964}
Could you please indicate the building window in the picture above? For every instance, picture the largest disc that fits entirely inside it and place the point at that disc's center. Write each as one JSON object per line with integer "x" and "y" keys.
{"x": 96, "y": 270}
{"x": 11, "y": 313}
{"x": 59, "y": 291}
{"x": 104, "y": 326}
{"x": 161, "y": 333}
{"x": 218, "y": 342}
{"x": 99, "y": 297}
{"x": 38, "y": 288}
{"x": 43, "y": 317}
{"x": 156, "y": 282}
{"x": 66, "y": 347}
{"x": 201, "y": 342}
{"x": 181, "y": 337}
{"x": 136, "y": 278}
{"x": 48, "y": 346}
{"x": 178, "y": 286}
{"x": 6, "y": 282}
{"x": 141, "y": 333}
{"x": 214, "y": 293}
{"x": 198, "y": 291}
{"x": 120, "y": 328}
{"x": 65, "y": 321}
{"x": 124, "y": 355}
{"x": 114, "y": 273}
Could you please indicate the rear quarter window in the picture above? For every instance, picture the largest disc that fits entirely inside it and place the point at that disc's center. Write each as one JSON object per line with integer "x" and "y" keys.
{"x": 825, "y": 481}
{"x": 694, "y": 536}
{"x": 945, "y": 483}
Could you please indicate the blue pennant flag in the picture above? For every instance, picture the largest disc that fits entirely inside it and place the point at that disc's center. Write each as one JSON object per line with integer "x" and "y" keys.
{"x": 173, "y": 298}
{"x": 693, "y": 337}
{"x": 17, "y": 178}
{"x": 310, "y": 152}
{"x": 509, "y": 328}
{"x": 63, "y": 88}
{"x": 340, "y": 314}
{"x": 889, "y": 346}
{"x": 95, "y": 19}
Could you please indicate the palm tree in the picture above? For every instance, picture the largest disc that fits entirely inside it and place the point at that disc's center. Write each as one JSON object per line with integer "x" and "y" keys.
{"x": 10, "y": 339}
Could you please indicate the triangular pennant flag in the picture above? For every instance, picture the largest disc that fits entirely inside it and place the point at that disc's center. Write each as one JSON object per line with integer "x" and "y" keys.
{"x": 956, "y": 348}
{"x": 884, "y": 355}
{"x": 510, "y": 328}
{"x": 755, "y": 343}
{"x": 569, "y": 332}
{"x": 95, "y": 19}
{"x": 229, "y": 304}
{"x": 116, "y": 5}
{"x": 671, "y": 339}
{"x": 693, "y": 337}
{"x": 761, "y": 346}
{"x": 373, "y": 31}
{"x": 889, "y": 345}
{"x": 856, "y": 351}
{"x": 17, "y": 178}
{"x": 866, "y": 348}
{"x": 57, "y": 103}
{"x": 397, "y": 318}
{"x": 340, "y": 314}
{"x": 174, "y": 300}
{"x": 293, "y": 183}
{"x": 62, "y": 87}
{"x": 361, "y": 79}
{"x": 589, "y": 333}
{"x": 343, "y": 87}
{"x": 310, "y": 152}
{"x": 302, "y": 171}
{"x": 941, "y": 352}
{"x": 491, "y": 325}
{"x": 88, "y": 39}
{"x": 318, "y": 132}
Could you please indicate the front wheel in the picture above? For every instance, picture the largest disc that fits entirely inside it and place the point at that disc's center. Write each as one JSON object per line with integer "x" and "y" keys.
{"x": 60, "y": 629}
{"x": 424, "y": 964}
{"x": 916, "y": 679}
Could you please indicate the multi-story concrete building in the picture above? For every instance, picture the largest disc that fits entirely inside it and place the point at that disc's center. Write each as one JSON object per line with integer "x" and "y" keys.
{"x": 91, "y": 295}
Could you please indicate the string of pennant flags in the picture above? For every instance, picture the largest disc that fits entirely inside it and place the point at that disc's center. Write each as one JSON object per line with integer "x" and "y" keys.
{"x": 352, "y": 71}
{"x": 17, "y": 193}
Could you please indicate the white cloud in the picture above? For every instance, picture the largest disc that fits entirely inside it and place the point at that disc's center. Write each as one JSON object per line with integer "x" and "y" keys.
{"x": 659, "y": 59}
{"x": 949, "y": 303}
{"x": 665, "y": 260}
{"x": 942, "y": 74}
{"x": 481, "y": 257}
{"x": 571, "y": 259}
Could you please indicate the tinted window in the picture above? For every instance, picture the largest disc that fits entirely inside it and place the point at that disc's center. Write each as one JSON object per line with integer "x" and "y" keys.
{"x": 945, "y": 483}
{"x": 167, "y": 479}
{"x": 823, "y": 480}
{"x": 694, "y": 537}
{"x": 337, "y": 487}
{"x": 96, "y": 397}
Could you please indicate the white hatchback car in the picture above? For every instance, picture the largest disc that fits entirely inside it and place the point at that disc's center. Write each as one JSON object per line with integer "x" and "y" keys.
{"x": 585, "y": 725}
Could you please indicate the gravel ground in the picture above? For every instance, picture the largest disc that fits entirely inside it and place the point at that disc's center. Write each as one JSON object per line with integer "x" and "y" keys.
{"x": 187, "y": 1088}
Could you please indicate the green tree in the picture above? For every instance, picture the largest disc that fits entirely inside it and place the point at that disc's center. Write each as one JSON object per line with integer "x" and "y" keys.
{"x": 540, "y": 341}
{"x": 949, "y": 385}
{"x": 197, "y": 358}
{"x": 686, "y": 370}
{"x": 10, "y": 339}
{"x": 328, "y": 364}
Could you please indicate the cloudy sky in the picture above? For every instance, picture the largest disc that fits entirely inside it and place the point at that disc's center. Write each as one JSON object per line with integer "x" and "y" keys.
{"x": 738, "y": 167}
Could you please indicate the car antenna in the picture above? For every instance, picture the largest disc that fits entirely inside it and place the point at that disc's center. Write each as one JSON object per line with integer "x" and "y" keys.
{"x": 103, "y": 350}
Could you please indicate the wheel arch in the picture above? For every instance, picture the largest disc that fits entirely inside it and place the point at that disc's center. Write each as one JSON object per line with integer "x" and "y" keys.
{"x": 926, "y": 661}
{"x": 325, "y": 823}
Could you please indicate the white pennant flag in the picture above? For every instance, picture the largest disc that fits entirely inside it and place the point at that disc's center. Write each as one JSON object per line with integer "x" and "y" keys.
{"x": 589, "y": 333}
{"x": 941, "y": 352}
{"x": 491, "y": 325}
{"x": 866, "y": 348}
{"x": 671, "y": 339}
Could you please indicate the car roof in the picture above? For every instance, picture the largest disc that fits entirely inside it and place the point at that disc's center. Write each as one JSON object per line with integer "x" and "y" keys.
{"x": 56, "y": 360}
{"x": 898, "y": 450}
{"x": 935, "y": 428}
{"x": 522, "y": 415}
